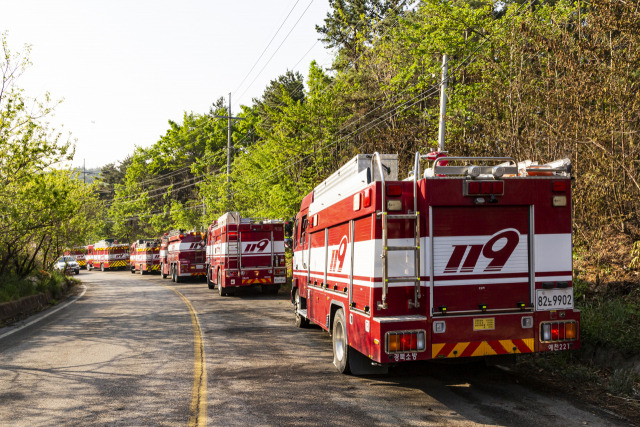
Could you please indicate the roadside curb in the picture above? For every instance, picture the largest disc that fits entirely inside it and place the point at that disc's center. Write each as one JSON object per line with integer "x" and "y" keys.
{"x": 13, "y": 311}
{"x": 42, "y": 315}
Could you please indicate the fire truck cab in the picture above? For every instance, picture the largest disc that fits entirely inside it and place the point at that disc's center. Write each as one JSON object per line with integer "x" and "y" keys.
{"x": 145, "y": 256}
{"x": 182, "y": 255}
{"x": 245, "y": 252}
{"x": 472, "y": 258}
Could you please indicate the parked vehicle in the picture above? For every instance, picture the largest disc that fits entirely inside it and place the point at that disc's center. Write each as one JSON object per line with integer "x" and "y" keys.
{"x": 182, "y": 255}
{"x": 67, "y": 264}
{"x": 108, "y": 254}
{"x": 471, "y": 259}
{"x": 245, "y": 252}
{"x": 79, "y": 254}
{"x": 144, "y": 256}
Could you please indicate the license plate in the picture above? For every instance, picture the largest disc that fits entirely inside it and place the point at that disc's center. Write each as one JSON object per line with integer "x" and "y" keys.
{"x": 484, "y": 324}
{"x": 279, "y": 279}
{"x": 554, "y": 299}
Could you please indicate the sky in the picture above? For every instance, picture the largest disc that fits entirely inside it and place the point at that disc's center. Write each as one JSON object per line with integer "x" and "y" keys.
{"x": 123, "y": 69}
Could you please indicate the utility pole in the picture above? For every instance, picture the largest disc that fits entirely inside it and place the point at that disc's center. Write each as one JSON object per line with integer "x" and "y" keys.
{"x": 443, "y": 102}
{"x": 229, "y": 118}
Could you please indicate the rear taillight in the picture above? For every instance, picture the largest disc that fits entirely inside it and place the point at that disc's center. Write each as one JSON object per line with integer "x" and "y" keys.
{"x": 484, "y": 188}
{"x": 394, "y": 190}
{"x": 406, "y": 341}
{"x": 558, "y": 331}
{"x": 559, "y": 186}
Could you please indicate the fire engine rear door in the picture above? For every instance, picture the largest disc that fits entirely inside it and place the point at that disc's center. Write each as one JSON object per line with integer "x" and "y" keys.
{"x": 256, "y": 249}
{"x": 480, "y": 258}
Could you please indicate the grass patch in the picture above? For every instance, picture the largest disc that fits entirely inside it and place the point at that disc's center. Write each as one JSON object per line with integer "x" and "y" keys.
{"x": 612, "y": 322}
{"x": 13, "y": 288}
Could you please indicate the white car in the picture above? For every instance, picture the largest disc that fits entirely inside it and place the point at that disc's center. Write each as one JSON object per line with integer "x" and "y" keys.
{"x": 67, "y": 264}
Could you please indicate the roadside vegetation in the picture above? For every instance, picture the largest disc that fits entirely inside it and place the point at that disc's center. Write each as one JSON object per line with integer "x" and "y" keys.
{"x": 55, "y": 284}
{"x": 531, "y": 80}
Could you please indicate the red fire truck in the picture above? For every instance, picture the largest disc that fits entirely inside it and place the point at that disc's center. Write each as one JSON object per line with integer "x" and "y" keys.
{"x": 245, "y": 252}
{"x": 79, "y": 253}
{"x": 473, "y": 258}
{"x": 182, "y": 254}
{"x": 144, "y": 256}
{"x": 108, "y": 254}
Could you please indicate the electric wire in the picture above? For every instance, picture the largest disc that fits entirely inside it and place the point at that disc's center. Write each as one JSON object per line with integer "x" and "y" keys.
{"x": 267, "y": 47}
{"x": 394, "y": 112}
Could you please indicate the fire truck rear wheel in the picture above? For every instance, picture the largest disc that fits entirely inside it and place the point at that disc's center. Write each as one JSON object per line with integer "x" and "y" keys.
{"x": 173, "y": 273}
{"x": 164, "y": 276}
{"x": 301, "y": 321}
{"x": 340, "y": 343}
{"x": 175, "y": 269}
{"x": 133, "y": 270}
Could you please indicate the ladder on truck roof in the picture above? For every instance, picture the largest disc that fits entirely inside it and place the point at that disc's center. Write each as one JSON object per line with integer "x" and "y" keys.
{"x": 415, "y": 248}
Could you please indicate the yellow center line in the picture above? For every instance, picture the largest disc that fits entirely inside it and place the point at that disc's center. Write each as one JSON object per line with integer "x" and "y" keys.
{"x": 198, "y": 407}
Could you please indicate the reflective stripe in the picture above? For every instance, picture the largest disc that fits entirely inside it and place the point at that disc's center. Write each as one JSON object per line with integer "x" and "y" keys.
{"x": 482, "y": 348}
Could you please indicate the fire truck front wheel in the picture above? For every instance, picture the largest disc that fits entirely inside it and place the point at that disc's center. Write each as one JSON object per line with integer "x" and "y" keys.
{"x": 301, "y": 321}
{"x": 340, "y": 343}
{"x": 210, "y": 283}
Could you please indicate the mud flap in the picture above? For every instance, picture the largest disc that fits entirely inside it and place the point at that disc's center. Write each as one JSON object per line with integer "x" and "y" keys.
{"x": 362, "y": 365}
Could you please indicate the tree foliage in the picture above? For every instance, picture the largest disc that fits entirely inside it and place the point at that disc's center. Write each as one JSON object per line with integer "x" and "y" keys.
{"x": 43, "y": 210}
{"x": 534, "y": 81}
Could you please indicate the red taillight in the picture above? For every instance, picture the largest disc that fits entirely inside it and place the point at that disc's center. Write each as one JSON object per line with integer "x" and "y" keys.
{"x": 498, "y": 187}
{"x": 233, "y": 236}
{"x": 409, "y": 341}
{"x": 486, "y": 187}
{"x": 366, "y": 202}
{"x": 474, "y": 188}
{"x": 555, "y": 331}
{"x": 394, "y": 190}
{"x": 559, "y": 186}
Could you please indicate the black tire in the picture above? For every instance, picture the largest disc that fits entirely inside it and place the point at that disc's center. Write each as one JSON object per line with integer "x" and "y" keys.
{"x": 178, "y": 279}
{"x": 301, "y": 321}
{"x": 90, "y": 267}
{"x": 221, "y": 291}
{"x": 77, "y": 271}
{"x": 340, "y": 343}
{"x": 164, "y": 276}
{"x": 210, "y": 283}
{"x": 101, "y": 267}
{"x": 133, "y": 270}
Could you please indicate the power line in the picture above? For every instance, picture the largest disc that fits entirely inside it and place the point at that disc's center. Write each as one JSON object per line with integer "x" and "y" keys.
{"x": 267, "y": 47}
{"x": 276, "y": 51}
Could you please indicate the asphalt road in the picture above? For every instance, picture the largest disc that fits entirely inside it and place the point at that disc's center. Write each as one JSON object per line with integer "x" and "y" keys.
{"x": 131, "y": 351}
